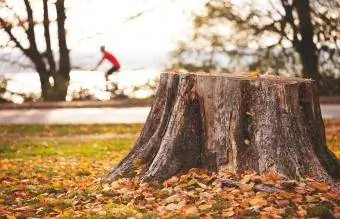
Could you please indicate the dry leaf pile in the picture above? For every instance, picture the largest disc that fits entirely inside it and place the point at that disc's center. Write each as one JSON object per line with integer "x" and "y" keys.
{"x": 72, "y": 190}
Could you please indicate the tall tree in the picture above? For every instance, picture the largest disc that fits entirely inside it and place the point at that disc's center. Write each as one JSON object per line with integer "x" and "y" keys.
{"x": 54, "y": 76}
{"x": 287, "y": 35}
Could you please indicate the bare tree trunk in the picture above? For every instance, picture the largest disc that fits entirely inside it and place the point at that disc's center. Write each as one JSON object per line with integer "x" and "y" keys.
{"x": 45, "y": 85}
{"x": 64, "y": 63}
{"x": 306, "y": 46}
{"x": 62, "y": 78}
{"x": 236, "y": 122}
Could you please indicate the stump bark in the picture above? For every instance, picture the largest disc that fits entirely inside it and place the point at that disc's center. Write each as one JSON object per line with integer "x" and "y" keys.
{"x": 232, "y": 121}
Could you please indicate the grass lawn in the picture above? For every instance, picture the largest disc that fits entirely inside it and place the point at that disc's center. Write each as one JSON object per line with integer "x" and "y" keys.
{"x": 53, "y": 171}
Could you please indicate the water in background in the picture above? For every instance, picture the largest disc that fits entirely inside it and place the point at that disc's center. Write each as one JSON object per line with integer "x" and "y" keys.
{"x": 28, "y": 82}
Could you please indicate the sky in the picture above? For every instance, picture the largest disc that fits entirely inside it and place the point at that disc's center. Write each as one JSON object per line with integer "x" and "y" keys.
{"x": 141, "y": 43}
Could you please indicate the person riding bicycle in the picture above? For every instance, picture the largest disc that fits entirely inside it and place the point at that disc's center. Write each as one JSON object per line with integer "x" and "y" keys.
{"x": 111, "y": 58}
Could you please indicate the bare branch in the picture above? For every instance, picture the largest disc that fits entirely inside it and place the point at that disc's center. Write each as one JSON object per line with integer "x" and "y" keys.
{"x": 49, "y": 53}
{"x": 289, "y": 18}
{"x": 138, "y": 15}
{"x": 8, "y": 29}
{"x": 30, "y": 30}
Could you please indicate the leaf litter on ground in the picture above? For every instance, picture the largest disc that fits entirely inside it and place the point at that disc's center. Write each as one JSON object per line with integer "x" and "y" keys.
{"x": 65, "y": 193}
{"x": 61, "y": 180}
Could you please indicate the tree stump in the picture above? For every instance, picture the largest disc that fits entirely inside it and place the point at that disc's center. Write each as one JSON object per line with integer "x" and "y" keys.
{"x": 214, "y": 121}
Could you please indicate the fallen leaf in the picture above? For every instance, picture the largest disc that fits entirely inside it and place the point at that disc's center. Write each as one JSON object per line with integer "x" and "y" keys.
{"x": 173, "y": 198}
{"x": 172, "y": 207}
{"x": 258, "y": 202}
{"x": 282, "y": 203}
{"x": 322, "y": 187}
{"x": 254, "y": 74}
{"x": 205, "y": 207}
{"x": 228, "y": 213}
{"x": 24, "y": 208}
{"x": 106, "y": 187}
{"x": 247, "y": 187}
{"x": 189, "y": 211}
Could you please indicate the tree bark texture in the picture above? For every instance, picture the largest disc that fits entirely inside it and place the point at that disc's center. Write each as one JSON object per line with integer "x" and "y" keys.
{"x": 235, "y": 122}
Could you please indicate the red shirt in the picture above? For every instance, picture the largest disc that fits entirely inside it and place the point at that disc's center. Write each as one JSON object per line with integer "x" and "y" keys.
{"x": 112, "y": 59}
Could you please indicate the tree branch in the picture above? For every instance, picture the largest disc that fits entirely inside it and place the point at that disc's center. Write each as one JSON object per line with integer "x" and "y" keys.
{"x": 289, "y": 18}
{"x": 49, "y": 53}
{"x": 30, "y": 30}
{"x": 8, "y": 29}
{"x": 64, "y": 63}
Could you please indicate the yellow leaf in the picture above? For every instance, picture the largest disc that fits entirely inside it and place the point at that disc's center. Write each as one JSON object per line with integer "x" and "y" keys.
{"x": 192, "y": 182}
{"x": 203, "y": 186}
{"x": 258, "y": 202}
{"x": 102, "y": 213}
{"x": 311, "y": 199}
{"x": 245, "y": 179}
{"x": 57, "y": 185}
{"x": 177, "y": 70}
{"x": 254, "y": 74}
{"x": 172, "y": 207}
{"x": 205, "y": 207}
{"x": 106, "y": 187}
{"x": 68, "y": 213}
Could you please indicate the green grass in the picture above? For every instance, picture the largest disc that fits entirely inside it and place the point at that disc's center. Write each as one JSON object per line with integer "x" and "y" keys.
{"x": 94, "y": 148}
{"x": 66, "y": 130}
{"x": 26, "y": 141}
{"x": 13, "y": 145}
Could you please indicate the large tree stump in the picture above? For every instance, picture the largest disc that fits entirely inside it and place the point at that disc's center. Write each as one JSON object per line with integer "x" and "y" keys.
{"x": 237, "y": 122}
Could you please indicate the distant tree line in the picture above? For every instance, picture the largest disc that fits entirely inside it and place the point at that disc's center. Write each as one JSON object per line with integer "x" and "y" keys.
{"x": 289, "y": 36}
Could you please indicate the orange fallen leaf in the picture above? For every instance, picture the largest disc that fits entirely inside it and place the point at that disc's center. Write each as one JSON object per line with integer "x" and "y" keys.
{"x": 297, "y": 199}
{"x": 254, "y": 74}
{"x": 189, "y": 211}
{"x": 228, "y": 213}
{"x": 258, "y": 202}
{"x": 246, "y": 187}
{"x": 322, "y": 187}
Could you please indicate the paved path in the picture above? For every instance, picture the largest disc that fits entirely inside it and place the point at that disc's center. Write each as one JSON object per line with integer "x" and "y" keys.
{"x": 75, "y": 116}
{"x": 100, "y": 115}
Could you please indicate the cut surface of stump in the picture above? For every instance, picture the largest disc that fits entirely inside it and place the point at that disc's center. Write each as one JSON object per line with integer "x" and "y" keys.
{"x": 214, "y": 121}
